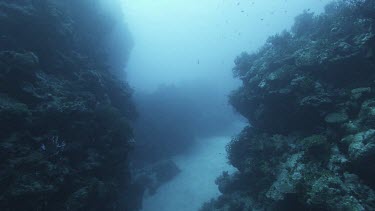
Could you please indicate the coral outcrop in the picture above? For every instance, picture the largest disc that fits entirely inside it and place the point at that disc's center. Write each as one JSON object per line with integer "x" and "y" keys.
{"x": 309, "y": 96}
{"x": 64, "y": 117}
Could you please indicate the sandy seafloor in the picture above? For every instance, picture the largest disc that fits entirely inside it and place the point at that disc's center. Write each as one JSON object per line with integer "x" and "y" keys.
{"x": 196, "y": 182}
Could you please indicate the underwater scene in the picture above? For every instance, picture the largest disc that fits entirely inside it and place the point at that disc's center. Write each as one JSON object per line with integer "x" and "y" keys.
{"x": 178, "y": 105}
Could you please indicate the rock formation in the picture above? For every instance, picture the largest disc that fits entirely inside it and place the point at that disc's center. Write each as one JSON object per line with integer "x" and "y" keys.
{"x": 64, "y": 117}
{"x": 309, "y": 96}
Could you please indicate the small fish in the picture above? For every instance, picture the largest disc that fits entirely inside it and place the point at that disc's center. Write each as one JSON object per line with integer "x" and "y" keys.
{"x": 198, "y": 62}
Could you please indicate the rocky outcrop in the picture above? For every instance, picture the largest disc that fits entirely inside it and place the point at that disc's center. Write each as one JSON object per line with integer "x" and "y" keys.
{"x": 64, "y": 117}
{"x": 153, "y": 176}
{"x": 309, "y": 96}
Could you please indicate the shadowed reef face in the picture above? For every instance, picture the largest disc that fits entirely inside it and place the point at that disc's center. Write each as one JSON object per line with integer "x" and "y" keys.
{"x": 64, "y": 117}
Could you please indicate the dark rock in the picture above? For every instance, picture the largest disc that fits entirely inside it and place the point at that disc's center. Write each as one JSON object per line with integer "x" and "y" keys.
{"x": 64, "y": 117}
{"x": 336, "y": 118}
{"x": 155, "y": 175}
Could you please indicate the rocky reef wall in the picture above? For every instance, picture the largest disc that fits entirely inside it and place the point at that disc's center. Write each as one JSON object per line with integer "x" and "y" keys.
{"x": 64, "y": 116}
{"x": 309, "y": 96}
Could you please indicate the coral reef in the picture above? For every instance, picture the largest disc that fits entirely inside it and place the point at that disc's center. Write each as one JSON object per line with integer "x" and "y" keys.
{"x": 309, "y": 97}
{"x": 64, "y": 117}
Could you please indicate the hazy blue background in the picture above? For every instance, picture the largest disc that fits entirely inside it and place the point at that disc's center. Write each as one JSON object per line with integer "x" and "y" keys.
{"x": 192, "y": 45}
{"x": 172, "y": 35}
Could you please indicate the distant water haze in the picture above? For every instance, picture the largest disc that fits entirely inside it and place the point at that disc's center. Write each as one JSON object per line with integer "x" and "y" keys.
{"x": 183, "y": 40}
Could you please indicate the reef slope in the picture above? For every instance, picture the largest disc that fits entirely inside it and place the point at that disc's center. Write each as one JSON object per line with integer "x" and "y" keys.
{"x": 309, "y": 95}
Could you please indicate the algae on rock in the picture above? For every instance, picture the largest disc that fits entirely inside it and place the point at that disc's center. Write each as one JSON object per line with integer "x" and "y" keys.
{"x": 308, "y": 95}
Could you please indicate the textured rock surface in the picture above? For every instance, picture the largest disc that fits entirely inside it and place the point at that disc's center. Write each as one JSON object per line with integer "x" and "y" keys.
{"x": 309, "y": 96}
{"x": 64, "y": 135}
